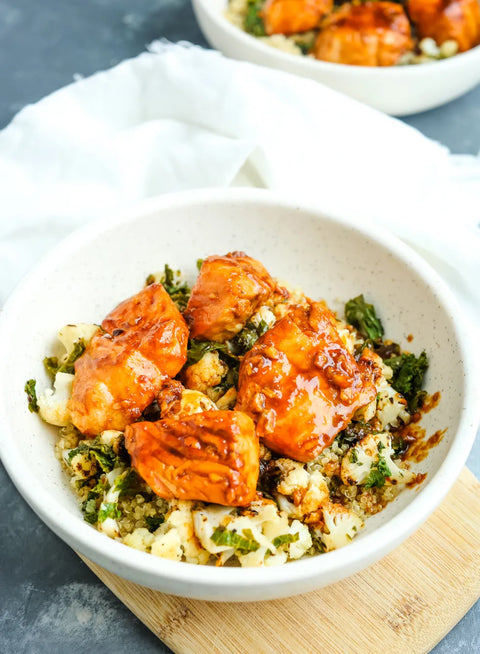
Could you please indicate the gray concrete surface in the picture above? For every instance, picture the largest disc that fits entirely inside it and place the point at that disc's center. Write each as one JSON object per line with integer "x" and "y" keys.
{"x": 49, "y": 600}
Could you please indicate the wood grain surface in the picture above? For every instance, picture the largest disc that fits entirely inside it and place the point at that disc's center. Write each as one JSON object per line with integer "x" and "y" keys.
{"x": 404, "y": 604}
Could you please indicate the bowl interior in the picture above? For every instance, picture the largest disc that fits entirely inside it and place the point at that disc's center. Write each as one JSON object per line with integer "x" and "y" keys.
{"x": 97, "y": 268}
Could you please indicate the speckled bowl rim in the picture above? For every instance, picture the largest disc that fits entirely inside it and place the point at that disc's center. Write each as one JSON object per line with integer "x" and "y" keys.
{"x": 205, "y": 580}
{"x": 236, "y": 34}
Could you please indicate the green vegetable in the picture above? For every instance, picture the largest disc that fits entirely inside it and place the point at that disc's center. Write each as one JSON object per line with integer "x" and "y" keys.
{"x": 285, "y": 539}
{"x": 197, "y": 349}
{"x": 247, "y": 338}
{"x": 362, "y": 316}
{"x": 199, "y": 263}
{"x": 128, "y": 483}
{"x": 378, "y": 473}
{"x": 243, "y": 543}
{"x": 253, "y": 20}
{"x": 108, "y": 510}
{"x": 400, "y": 445}
{"x": 90, "y": 513}
{"x": 52, "y": 365}
{"x": 353, "y": 456}
{"x": 179, "y": 292}
{"x": 354, "y": 432}
{"x": 154, "y": 522}
{"x": 31, "y": 395}
{"x": 408, "y": 373}
{"x": 90, "y": 505}
{"x": 105, "y": 455}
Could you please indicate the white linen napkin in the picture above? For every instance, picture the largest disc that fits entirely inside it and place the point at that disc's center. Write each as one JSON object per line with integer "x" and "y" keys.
{"x": 181, "y": 117}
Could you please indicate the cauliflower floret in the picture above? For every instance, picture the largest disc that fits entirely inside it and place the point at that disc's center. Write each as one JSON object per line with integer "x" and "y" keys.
{"x": 264, "y": 314}
{"x": 308, "y": 490}
{"x": 109, "y": 527}
{"x": 194, "y": 402}
{"x": 263, "y": 523}
{"x": 168, "y": 546}
{"x": 298, "y": 548}
{"x": 205, "y": 521}
{"x": 341, "y": 525}
{"x": 206, "y": 373}
{"x": 228, "y": 399}
{"x": 349, "y": 336}
{"x": 365, "y": 455}
{"x": 81, "y": 465}
{"x": 71, "y": 334}
{"x": 111, "y": 437}
{"x": 181, "y": 519}
{"x": 53, "y": 403}
{"x": 391, "y": 406}
{"x": 293, "y": 476}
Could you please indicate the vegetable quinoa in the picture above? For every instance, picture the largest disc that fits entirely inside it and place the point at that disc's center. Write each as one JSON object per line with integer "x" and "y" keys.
{"x": 236, "y": 422}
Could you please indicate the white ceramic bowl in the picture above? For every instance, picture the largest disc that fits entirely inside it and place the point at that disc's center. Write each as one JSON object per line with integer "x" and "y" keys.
{"x": 396, "y": 90}
{"x": 95, "y": 268}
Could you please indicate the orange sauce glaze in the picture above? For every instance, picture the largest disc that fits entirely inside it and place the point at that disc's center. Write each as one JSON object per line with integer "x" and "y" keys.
{"x": 211, "y": 456}
{"x": 418, "y": 447}
{"x": 122, "y": 369}
{"x": 300, "y": 384}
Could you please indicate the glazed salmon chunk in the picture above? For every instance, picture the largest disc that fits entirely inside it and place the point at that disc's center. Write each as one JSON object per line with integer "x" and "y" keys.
{"x": 443, "y": 20}
{"x": 290, "y": 16}
{"x": 300, "y": 384}
{"x": 367, "y": 34}
{"x": 211, "y": 456}
{"x": 228, "y": 291}
{"x": 119, "y": 374}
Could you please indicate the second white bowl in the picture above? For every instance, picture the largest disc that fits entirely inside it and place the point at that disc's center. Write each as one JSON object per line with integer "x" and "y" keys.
{"x": 396, "y": 90}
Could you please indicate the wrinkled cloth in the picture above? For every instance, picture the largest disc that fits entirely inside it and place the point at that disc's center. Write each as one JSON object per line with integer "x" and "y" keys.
{"x": 181, "y": 117}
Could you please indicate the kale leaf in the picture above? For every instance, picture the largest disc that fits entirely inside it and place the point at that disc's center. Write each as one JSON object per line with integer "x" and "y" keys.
{"x": 378, "y": 473}
{"x": 247, "y": 338}
{"x": 31, "y": 395}
{"x": 154, "y": 522}
{"x": 243, "y": 543}
{"x": 171, "y": 280}
{"x": 105, "y": 455}
{"x": 285, "y": 539}
{"x": 90, "y": 505}
{"x": 197, "y": 349}
{"x": 407, "y": 379}
{"x": 108, "y": 510}
{"x": 253, "y": 20}
{"x": 52, "y": 366}
{"x": 363, "y": 317}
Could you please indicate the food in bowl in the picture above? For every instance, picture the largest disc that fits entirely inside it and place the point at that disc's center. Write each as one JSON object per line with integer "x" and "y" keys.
{"x": 237, "y": 422}
{"x": 371, "y": 33}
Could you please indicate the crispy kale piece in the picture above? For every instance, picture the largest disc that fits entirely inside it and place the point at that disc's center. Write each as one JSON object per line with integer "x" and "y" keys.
{"x": 171, "y": 280}
{"x": 285, "y": 539}
{"x": 363, "y": 317}
{"x": 354, "y": 432}
{"x": 378, "y": 473}
{"x": 247, "y": 338}
{"x": 108, "y": 510}
{"x": 105, "y": 455}
{"x": 31, "y": 395}
{"x": 52, "y": 366}
{"x": 154, "y": 522}
{"x": 197, "y": 349}
{"x": 253, "y": 20}
{"x": 243, "y": 543}
{"x": 408, "y": 373}
{"x": 91, "y": 504}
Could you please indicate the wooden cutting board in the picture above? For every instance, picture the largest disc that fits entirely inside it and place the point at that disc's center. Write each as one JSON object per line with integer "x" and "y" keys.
{"x": 404, "y": 604}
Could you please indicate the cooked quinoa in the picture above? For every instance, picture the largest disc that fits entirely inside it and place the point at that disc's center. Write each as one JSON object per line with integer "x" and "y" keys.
{"x": 301, "y": 509}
